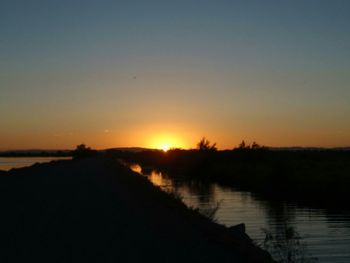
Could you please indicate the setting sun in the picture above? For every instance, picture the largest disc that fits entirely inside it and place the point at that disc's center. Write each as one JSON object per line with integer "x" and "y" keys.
{"x": 165, "y": 147}
{"x": 166, "y": 142}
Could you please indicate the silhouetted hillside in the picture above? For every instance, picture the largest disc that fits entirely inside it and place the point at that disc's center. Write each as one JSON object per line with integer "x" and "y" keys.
{"x": 36, "y": 153}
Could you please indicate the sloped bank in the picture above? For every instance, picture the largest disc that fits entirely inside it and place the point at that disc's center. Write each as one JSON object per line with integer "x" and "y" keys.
{"x": 99, "y": 211}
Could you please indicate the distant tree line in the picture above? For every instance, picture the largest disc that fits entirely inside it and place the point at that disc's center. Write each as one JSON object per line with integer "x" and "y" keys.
{"x": 205, "y": 145}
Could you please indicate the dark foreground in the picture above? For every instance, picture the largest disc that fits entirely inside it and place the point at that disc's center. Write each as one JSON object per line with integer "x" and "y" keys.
{"x": 98, "y": 211}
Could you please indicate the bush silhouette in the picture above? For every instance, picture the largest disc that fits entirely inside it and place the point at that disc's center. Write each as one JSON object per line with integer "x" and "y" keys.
{"x": 82, "y": 151}
{"x": 254, "y": 146}
{"x": 204, "y": 145}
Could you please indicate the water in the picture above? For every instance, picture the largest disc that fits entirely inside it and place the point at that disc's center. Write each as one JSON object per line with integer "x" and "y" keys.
{"x": 7, "y": 163}
{"x": 325, "y": 233}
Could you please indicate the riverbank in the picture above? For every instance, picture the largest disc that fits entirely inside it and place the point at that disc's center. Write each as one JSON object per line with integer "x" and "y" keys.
{"x": 98, "y": 210}
{"x": 302, "y": 176}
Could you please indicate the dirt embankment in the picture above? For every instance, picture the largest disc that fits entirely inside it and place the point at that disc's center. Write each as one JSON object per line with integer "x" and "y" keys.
{"x": 97, "y": 210}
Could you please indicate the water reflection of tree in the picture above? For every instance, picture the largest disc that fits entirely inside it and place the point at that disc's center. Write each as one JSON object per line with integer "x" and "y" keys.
{"x": 278, "y": 214}
{"x": 203, "y": 191}
{"x": 287, "y": 246}
{"x": 204, "y": 194}
{"x": 282, "y": 239}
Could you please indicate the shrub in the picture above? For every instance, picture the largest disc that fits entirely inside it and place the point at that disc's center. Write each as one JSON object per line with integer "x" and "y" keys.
{"x": 82, "y": 151}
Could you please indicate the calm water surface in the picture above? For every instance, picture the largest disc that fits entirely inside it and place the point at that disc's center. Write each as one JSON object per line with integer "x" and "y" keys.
{"x": 326, "y": 234}
{"x": 7, "y": 163}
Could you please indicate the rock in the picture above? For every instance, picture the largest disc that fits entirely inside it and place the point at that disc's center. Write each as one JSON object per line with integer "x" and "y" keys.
{"x": 239, "y": 229}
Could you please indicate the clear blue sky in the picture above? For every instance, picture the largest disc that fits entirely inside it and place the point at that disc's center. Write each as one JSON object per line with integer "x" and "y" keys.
{"x": 124, "y": 73}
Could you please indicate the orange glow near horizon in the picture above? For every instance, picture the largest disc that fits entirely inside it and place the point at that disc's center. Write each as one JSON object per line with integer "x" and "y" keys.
{"x": 167, "y": 135}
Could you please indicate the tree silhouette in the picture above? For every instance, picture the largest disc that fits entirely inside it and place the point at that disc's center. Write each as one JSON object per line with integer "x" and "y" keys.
{"x": 255, "y": 146}
{"x": 243, "y": 145}
{"x": 204, "y": 145}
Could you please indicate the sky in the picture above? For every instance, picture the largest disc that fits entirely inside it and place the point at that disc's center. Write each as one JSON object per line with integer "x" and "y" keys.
{"x": 166, "y": 73}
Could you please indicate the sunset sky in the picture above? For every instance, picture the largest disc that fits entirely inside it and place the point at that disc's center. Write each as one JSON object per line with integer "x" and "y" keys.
{"x": 155, "y": 73}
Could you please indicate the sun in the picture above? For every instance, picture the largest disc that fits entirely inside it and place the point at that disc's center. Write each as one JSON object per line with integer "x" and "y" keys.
{"x": 165, "y": 147}
{"x": 166, "y": 142}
